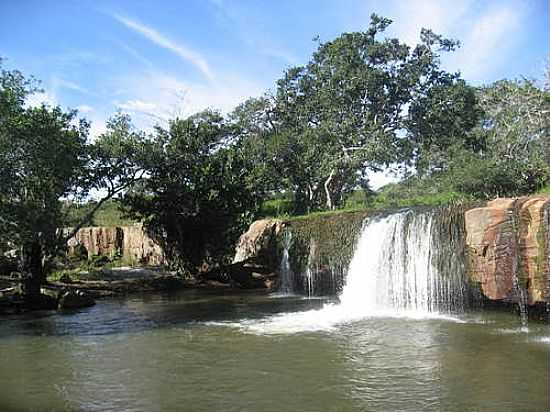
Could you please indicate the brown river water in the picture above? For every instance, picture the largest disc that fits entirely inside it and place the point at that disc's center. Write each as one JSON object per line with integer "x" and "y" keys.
{"x": 204, "y": 351}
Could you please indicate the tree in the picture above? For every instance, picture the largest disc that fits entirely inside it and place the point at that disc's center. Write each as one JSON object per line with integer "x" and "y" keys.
{"x": 45, "y": 157}
{"x": 345, "y": 112}
{"x": 200, "y": 192}
{"x": 439, "y": 122}
{"x": 253, "y": 125}
{"x": 513, "y": 156}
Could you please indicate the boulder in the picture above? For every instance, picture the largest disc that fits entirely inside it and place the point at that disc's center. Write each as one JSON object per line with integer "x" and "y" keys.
{"x": 259, "y": 243}
{"x": 98, "y": 241}
{"x": 75, "y": 300}
{"x": 243, "y": 275}
{"x": 534, "y": 239}
{"x": 138, "y": 247}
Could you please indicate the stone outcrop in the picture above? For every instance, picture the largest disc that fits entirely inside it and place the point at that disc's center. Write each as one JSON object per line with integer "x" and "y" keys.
{"x": 256, "y": 258}
{"x": 138, "y": 247}
{"x": 131, "y": 243}
{"x": 320, "y": 248}
{"x": 508, "y": 243}
{"x": 98, "y": 241}
{"x": 259, "y": 242}
{"x": 75, "y": 300}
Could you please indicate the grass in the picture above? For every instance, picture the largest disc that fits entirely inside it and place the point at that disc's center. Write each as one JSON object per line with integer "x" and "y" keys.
{"x": 108, "y": 214}
{"x": 393, "y": 196}
{"x": 277, "y": 207}
{"x": 96, "y": 268}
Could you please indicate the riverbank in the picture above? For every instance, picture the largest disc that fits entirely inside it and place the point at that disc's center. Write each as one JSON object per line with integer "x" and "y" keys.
{"x": 114, "y": 282}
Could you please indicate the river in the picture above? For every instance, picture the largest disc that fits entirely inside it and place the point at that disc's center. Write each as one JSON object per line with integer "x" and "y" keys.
{"x": 399, "y": 337}
{"x": 199, "y": 351}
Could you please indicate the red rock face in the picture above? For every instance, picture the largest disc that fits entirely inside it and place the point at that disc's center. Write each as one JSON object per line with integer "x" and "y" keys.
{"x": 507, "y": 239}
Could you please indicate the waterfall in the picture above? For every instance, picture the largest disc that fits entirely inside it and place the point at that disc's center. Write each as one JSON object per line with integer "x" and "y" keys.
{"x": 309, "y": 278}
{"x": 400, "y": 265}
{"x": 287, "y": 276}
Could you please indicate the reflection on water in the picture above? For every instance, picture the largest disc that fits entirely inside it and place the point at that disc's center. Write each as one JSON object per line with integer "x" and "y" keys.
{"x": 183, "y": 352}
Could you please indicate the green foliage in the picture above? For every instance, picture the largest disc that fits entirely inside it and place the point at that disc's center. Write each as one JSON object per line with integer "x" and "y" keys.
{"x": 45, "y": 157}
{"x": 513, "y": 157}
{"x": 276, "y": 208}
{"x": 341, "y": 115}
{"x": 408, "y": 194}
{"x": 109, "y": 214}
{"x": 443, "y": 118}
{"x": 200, "y": 193}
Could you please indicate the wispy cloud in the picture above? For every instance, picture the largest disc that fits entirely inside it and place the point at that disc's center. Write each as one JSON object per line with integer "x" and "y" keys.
{"x": 159, "y": 39}
{"x": 486, "y": 30}
{"x": 61, "y": 83}
{"x": 138, "y": 106}
{"x": 84, "y": 108}
{"x": 156, "y": 96}
{"x": 488, "y": 40}
{"x": 240, "y": 23}
{"x": 134, "y": 53}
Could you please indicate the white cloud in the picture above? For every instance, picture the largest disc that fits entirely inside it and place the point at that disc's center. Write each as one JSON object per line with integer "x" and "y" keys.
{"x": 84, "y": 108}
{"x": 488, "y": 40}
{"x": 61, "y": 83}
{"x": 46, "y": 97}
{"x": 442, "y": 16}
{"x": 156, "y": 97}
{"x": 97, "y": 127}
{"x": 137, "y": 106}
{"x": 379, "y": 179}
{"x": 487, "y": 31}
{"x": 160, "y": 40}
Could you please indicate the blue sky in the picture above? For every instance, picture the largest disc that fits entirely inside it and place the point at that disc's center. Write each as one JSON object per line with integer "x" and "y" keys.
{"x": 155, "y": 59}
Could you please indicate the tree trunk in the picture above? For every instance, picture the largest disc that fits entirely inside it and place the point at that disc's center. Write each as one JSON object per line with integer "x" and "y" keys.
{"x": 33, "y": 269}
{"x": 301, "y": 203}
{"x": 329, "y": 201}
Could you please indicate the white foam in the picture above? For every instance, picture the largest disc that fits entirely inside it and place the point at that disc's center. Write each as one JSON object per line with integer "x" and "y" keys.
{"x": 391, "y": 275}
{"x": 328, "y": 318}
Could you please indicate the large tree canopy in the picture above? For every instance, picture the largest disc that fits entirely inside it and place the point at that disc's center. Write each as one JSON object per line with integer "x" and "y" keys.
{"x": 45, "y": 157}
{"x": 512, "y": 151}
{"x": 200, "y": 192}
{"x": 346, "y": 111}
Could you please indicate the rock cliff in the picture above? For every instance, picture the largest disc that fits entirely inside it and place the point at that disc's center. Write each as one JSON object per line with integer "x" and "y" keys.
{"x": 131, "y": 243}
{"x": 508, "y": 242}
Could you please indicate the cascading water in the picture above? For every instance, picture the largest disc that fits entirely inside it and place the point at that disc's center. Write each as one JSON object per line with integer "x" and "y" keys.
{"x": 287, "y": 276}
{"x": 309, "y": 275}
{"x": 397, "y": 266}
{"x": 401, "y": 267}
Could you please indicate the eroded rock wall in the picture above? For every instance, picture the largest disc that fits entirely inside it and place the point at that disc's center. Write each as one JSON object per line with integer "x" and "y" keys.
{"x": 131, "y": 243}
{"x": 508, "y": 243}
{"x": 320, "y": 249}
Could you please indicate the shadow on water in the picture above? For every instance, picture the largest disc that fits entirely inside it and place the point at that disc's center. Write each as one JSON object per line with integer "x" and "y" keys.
{"x": 149, "y": 311}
